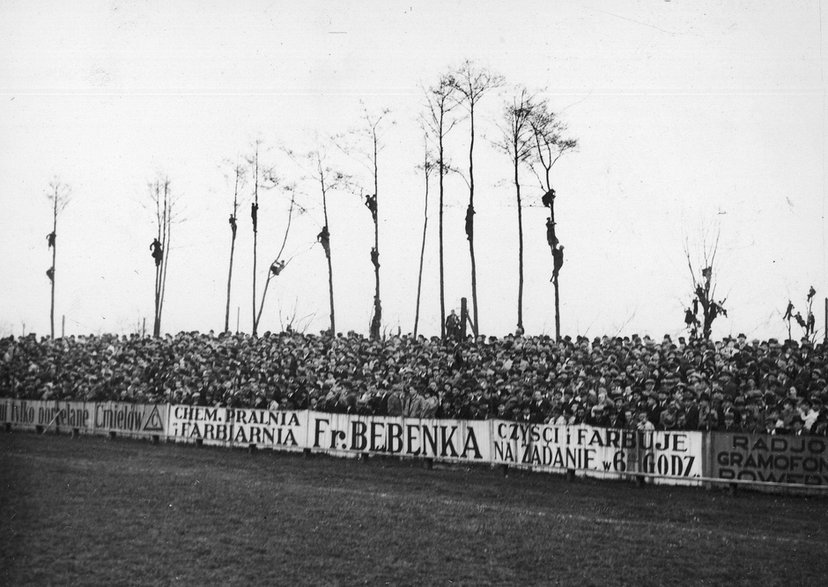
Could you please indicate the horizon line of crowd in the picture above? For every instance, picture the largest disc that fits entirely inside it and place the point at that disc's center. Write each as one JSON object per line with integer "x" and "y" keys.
{"x": 631, "y": 382}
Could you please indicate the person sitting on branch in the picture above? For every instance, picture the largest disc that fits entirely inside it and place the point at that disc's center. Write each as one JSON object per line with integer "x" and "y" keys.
{"x": 276, "y": 268}
{"x": 157, "y": 251}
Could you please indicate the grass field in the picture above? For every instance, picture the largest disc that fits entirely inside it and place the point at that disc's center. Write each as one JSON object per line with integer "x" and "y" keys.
{"x": 100, "y": 511}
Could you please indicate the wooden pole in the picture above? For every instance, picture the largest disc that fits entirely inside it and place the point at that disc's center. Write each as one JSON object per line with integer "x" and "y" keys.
{"x": 825, "y": 329}
{"x": 144, "y": 327}
{"x": 63, "y": 325}
{"x": 238, "y": 313}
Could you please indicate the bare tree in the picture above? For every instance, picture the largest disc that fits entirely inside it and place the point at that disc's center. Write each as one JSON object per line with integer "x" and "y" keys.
{"x": 518, "y": 143}
{"x": 162, "y": 198}
{"x": 439, "y": 102}
{"x": 550, "y": 145}
{"x": 263, "y": 178}
{"x": 279, "y": 263}
{"x": 58, "y": 195}
{"x": 704, "y": 290}
{"x": 428, "y": 168}
{"x": 472, "y": 83}
{"x": 233, "y": 221}
{"x": 370, "y": 132}
{"x": 373, "y": 130}
{"x": 328, "y": 180}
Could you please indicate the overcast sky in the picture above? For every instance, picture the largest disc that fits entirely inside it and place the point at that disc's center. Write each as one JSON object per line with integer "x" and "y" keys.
{"x": 692, "y": 118}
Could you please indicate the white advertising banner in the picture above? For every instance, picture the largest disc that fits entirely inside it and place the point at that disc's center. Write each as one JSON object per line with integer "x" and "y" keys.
{"x": 601, "y": 452}
{"x": 125, "y": 419}
{"x": 283, "y": 430}
{"x": 670, "y": 457}
{"x": 446, "y": 440}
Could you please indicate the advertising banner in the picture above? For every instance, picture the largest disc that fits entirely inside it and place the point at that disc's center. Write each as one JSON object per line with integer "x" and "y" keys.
{"x": 448, "y": 440}
{"x": 284, "y": 430}
{"x": 26, "y": 414}
{"x": 770, "y": 458}
{"x": 602, "y": 452}
{"x": 669, "y": 457}
{"x": 129, "y": 419}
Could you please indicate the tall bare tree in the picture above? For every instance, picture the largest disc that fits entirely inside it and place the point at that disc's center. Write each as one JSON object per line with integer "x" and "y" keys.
{"x": 328, "y": 180}
{"x": 550, "y": 145}
{"x": 263, "y": 178}
{"x": 704, "y": 288}
{"x": 279, "y": 263}
{"x": 439, "y": 103}
{"x": 517, "y": 143}
{"x": 238, "y": 171}
{"x": 472, "y": 83}
{"x": 364, "y": 146}
{"x": 373, "y": 130}
{"x": 428, "y": 168}
{"x": 165, "y": 204}
{"x": 58, "y": 195}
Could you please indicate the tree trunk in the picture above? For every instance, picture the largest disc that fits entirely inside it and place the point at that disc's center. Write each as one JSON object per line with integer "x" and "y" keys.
{"x": 555, "y": 280}
{"x": 376, "y": 321}
{"x": 255, "y": 230}
{"x": 229, "y": 279}
{"x": 520, "y": 246}
{"x": 422, "y": 248}
{"x": 54, "y": 258}
{"x": 331, "y": 295}
{"x": 156, "y": 323}
{"x": 471, "y": 233}
{"x": 557, "y": 311}
{"x": 328, "y": 256}
{"x": 442, "y": 274}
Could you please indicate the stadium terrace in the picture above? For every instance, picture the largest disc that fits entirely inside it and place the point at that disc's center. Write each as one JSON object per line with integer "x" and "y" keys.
{"x": 732, "y": 385}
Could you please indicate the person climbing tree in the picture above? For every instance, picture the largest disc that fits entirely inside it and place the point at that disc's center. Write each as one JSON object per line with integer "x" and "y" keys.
{"x": 371, "y": 204}
{"x": 254, "y": 215}
{"x": 551, "y": 237}
{"x": 470, "y": 222}
{"x": 375, "y": 257}
{"x": 558, "y": 259}
{"x": 157, "y": 251}
{"x": 232, "y": 221}
{"x": 324, "y": 237}
{"x": 548, "y": 198}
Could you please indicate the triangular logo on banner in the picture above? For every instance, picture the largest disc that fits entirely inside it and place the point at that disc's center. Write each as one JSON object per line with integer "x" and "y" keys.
{"x": 154, "y": 422}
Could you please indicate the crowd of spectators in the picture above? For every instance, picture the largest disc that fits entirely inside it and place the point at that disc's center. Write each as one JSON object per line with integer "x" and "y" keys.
{"x": 620, "y": 382}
